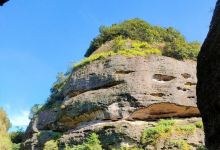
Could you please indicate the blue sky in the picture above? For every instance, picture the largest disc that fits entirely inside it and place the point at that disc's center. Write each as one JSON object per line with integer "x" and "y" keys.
{"x": 39, "y": 38}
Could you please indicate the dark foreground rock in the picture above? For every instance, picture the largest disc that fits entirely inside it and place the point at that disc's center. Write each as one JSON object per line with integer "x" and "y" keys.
{"x": 2, "y": 2}
{"x": 208, "y": 88}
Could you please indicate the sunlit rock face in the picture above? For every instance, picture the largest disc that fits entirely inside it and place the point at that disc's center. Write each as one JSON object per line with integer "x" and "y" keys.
{"x": 119, "y": 88}
{"x": 134, "y": 88}
{"x": 208, "y": 88}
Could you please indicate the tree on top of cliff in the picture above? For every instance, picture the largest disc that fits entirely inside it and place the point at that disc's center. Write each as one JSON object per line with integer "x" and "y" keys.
{"x": 137, "y": 29}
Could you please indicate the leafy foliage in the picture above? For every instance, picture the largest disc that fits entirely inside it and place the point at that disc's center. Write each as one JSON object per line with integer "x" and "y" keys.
{"x": 162, "y": 129}
{"x": 60, "y": 82}
{"x": 35, "y": 110}
{"x": 51, "y": 145}
{"x": 187, "y": 129}
{"x": 199, "y": 124}
{"x": 129, "y": 148}
{"x": 137, "y": 49}
{"x": 17, "y": 136}
{"x": 16, "y": 146}
{"x": 181, "y": 144}
{"x": 136, "y": 29}
{"x": 92, "y": 143}
{"x": 5, "y": 142}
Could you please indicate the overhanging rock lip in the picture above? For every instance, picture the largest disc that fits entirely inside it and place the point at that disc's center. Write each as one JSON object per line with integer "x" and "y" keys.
{"x": 167, "y": 110}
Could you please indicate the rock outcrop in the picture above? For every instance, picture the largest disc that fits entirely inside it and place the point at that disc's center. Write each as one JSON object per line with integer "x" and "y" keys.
{"x": 2, "y": 2}
{"x": 208, "y": 89}
{"x": 116, "y": 96}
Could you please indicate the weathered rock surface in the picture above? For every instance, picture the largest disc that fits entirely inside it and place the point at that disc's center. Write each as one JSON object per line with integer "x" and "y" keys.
{"x": 121, "y": 89}
{"x": 115, "y": 134}
{"x": 135, "y": 88}
{"x": 208, "y": 88}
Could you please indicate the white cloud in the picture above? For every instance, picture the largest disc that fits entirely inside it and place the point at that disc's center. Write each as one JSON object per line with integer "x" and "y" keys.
{"x": 20, "y": 119}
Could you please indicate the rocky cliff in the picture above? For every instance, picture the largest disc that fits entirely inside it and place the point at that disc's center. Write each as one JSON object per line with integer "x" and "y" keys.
{"x": 126, "y": 95}
{"x": 118, "y": 91}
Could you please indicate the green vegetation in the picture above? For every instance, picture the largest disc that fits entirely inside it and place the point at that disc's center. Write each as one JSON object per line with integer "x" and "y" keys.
{"x": 51, "y": 145}
{"x": 5, "y": 142}
{"x": 128, "y": 148}
{"x": 181, "y": 144}
{"x": 91, "y": 143}
{"x": 35, "y": 110}
{"x": 175, "y": 44}
{"x": 129, "y": 53}
{"x": 201, "y": 148}
{"x": 162, "y": 130}
{"x": 16, "y": 146}
{"x": 137, "y": 48}
{"x": 60, "y": 82}
{"x": 16, "y": 136}
{"x": 187, "y": 129}
{"x": 199, "y": 124}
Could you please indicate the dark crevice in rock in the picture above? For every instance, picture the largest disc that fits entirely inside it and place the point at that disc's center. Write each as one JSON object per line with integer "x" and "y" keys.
{"x": 186, "y": 75}
{"x": 182, "y": 89}
{"x": 124, "y": 72}
{"x": 160, "y": 77}
{"x": 106, "y": 86}
{"x": 131, "y": 99}
{"x": 191, "y": 97}
{"x": 157, "y": 94}
{"x": 92, "y": 74}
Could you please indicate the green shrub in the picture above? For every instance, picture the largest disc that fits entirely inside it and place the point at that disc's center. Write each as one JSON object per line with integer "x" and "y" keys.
{"x": 136, "y": 29}
{"x": 60, "y": 82}
{"x": 92, "y": 143}
{"x": 16, "y": 146}
{"x": 166, "y": 122}
{"x": 199, "y": 124}
{"x": 126, "y": 52}
{"x": 201, "y": 148}
{"x": 51, "y": 145}
{"x": 188, "y": 129}
{"x": 181, "y": 144}
{"x": 5, "y": 142}
{"x": 35, "y": 110}
{"x": 17, "y": 136}
{"x": 162, "y": 130}
{"x": 129, "y": 148}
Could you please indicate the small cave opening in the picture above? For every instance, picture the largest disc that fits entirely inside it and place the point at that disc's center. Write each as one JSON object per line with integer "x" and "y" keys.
{"x": 161, "y": 77}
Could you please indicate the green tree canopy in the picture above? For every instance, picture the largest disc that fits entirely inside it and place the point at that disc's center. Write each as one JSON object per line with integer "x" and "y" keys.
{"x": 5, "y": 142}
{"x": 175, "y": 44}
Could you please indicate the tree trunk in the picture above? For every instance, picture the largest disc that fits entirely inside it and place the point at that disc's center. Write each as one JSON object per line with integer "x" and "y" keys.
{"x": 208, "y": 86}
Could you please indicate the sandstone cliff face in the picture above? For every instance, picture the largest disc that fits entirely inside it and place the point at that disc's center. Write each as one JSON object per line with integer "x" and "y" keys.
{"x": 118, "y": 94}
